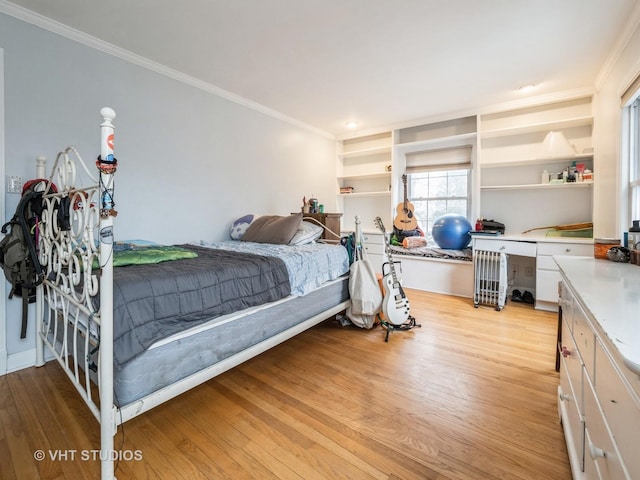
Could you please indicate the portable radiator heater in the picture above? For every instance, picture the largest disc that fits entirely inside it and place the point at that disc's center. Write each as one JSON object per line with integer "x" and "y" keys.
{"x": 490, "y": 278}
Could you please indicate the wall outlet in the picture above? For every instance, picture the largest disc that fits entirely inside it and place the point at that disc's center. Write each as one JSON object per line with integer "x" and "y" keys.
{"x": 528, "y": 271}
{"x": 14, "y": 184}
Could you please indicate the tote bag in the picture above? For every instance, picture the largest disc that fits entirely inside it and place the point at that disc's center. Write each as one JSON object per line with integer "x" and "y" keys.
{"x": 364, "y": 290}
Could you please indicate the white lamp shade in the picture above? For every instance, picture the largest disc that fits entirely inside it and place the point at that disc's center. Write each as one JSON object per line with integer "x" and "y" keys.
{"x": 556, "y": 144}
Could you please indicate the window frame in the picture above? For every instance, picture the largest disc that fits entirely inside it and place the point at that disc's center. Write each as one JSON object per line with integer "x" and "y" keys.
{"x": 632, "y": 134}
{"x": 426, "y": 227}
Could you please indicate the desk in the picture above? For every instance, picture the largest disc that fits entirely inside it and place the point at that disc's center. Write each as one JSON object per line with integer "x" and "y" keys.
{"x": 542, "y": 249}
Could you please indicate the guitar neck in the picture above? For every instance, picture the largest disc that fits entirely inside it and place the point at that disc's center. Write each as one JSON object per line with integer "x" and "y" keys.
{"x": 405, "y": 196}
{"x": 392, "y": 267}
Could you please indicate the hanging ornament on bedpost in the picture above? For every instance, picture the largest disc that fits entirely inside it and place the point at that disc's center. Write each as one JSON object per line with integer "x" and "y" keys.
{"x": 106, "y": 164}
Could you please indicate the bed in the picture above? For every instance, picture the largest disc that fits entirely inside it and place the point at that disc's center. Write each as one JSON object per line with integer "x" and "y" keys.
{"x": 190, "y": 318}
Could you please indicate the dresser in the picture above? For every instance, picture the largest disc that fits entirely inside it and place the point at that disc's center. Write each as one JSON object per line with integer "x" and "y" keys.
{"x": 599, "y": 362}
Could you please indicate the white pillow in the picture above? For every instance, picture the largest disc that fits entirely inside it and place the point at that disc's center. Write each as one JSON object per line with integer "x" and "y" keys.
{"x": 307, "y": 233}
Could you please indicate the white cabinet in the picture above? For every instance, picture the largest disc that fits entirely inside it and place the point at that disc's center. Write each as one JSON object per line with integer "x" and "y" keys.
{"x": 547, "y": 273}
{"x": 598, "y": 397}
{"x": 373, "y": 243}
{"x": 364, "y": 166}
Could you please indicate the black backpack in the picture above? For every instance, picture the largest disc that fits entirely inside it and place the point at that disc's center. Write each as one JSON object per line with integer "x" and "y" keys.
{"x": 18, "y": 248}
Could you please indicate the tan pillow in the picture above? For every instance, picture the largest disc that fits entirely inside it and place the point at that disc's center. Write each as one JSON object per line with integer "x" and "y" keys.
{"x": 273, "y": 229}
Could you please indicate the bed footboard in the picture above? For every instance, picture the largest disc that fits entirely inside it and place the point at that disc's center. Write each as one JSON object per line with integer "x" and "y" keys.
{"x": 75, "y": 236}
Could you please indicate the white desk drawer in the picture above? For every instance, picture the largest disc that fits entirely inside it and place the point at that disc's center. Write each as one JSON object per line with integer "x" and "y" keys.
{"x": 511, "y": 247}
{"x": 574, "y": 249}
{"x": 620, "y": 409}
{"x": 373, "y": 238}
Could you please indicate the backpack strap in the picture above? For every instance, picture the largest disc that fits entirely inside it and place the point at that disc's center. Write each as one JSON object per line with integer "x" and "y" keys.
{"x": 25, "y": 310}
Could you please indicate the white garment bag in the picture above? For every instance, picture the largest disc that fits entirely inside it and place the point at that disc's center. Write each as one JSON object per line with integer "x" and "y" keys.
{"x": 364, "y": 290}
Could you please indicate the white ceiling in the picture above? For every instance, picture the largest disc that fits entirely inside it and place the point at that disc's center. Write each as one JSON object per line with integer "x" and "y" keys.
{"x": 379, "y": 62}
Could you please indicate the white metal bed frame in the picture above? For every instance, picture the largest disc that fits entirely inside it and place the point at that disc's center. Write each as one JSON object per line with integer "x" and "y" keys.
{"x": 65, "y": 296}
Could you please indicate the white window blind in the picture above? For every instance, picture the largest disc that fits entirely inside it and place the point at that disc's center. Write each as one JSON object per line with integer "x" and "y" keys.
{"x": 445, "y": 159}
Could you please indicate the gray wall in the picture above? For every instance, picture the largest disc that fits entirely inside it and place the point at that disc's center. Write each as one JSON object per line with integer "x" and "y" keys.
{"x": 189, "y": 161}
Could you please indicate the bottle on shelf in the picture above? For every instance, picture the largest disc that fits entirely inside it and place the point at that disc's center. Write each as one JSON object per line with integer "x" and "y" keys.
{"x": 544, "y": 177}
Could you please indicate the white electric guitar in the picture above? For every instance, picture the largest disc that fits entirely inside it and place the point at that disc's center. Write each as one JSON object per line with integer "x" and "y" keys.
{"x": 395, "y": 304}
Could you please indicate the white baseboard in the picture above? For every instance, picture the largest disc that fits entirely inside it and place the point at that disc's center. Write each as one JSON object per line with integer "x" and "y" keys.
{"x": 21, "y": 360}
{"x": 3, "y": 362}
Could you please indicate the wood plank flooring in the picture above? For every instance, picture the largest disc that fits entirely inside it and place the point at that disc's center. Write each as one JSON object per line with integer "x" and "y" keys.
{"x": 470, "y": 395}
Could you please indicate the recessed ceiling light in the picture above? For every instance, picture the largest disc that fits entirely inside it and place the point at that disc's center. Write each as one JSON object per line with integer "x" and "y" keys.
{"x": 352, "y": 124}
{"x": 527, "y": 88}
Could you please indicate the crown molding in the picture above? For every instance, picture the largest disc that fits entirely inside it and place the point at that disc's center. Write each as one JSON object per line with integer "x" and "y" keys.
{"x": 623, "y": 40}
{"x": 70, "y": 33}
{"x": 544, "y": 99}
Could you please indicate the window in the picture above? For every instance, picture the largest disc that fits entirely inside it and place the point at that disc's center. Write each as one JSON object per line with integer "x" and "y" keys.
{"x": 436, "y": 192}
{"x": 439, "y": 182}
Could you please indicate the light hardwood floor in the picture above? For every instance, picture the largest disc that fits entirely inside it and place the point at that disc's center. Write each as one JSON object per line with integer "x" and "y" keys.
{"x": 469, "y": 395}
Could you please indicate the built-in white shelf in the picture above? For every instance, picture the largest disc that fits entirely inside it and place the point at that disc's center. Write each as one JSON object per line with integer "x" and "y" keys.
{"x": 436, "y": 143}
{"x": 365, "y": 152}
{"x": 535, "y": 186}
{"x": 536, "y": 161}
{"x": 538, "y": 127}
{"x": 365, "y": 194}
{"x": 365, "y": 176}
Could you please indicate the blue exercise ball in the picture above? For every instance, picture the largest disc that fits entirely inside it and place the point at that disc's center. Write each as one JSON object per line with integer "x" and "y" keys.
{"x": 451, "y": 231}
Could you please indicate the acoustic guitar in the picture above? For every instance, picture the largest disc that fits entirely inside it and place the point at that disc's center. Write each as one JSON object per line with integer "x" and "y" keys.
{"x": 395, "y": 304}
{"x": 405, "y": 218}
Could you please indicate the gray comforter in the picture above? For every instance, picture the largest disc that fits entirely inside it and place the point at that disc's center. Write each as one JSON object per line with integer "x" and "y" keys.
{"x": 152, "y": 302}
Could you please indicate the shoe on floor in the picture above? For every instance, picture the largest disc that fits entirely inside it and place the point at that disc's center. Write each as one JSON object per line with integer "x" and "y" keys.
{"x": 516, "y": 296}
{"x": 527, "y": 297}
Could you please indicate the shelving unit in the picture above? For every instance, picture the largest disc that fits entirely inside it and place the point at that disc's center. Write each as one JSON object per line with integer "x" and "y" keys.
{"x": 364, "y": 163}
{"x": 507, "y": 153}
{"x": 513, "y": 157}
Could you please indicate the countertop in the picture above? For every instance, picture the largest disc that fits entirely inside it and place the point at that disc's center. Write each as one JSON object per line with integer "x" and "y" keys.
{"x": 610, "y": 292}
